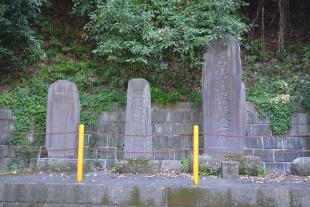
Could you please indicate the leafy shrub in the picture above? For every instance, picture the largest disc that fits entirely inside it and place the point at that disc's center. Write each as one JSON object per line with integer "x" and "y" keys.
{"x": 186, "y": 164}
{"x": 253, "y": 171}
{"x": 210, "y": 171}
{"x": 19, "y": 44}
{"x": 159, "y": 34}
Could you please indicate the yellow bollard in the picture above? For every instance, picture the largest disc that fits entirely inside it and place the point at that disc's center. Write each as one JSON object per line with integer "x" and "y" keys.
{"x": 79, "y": 176}
{"x": 196, "y": 154}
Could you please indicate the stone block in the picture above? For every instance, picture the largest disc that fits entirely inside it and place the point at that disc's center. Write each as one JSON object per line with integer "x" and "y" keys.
{"x": 263, "y": 120}
{"x": 104, "y": 117}
{"x": 272, "y": 143}
{"x": 300, "y": 197}
{"x": 188, "y": 142}
{"x": 251, "y": 117}
{"x": 230, "y": 169}
{"x": 112, "y": 128}
{"x": 158, "y": 116}
{"x": 180, "y": 154}
{"x": 164, "y": 129}
{"x": 6, "y": 151}
{"x": 180, "y": 106}
{"x": 115, "y": 141}
{"x": 249, "y": 152}
{"x": 117, "y": 116}
{"x": 275, "y": 166}
{"x": 253, "y": 143}
{"x": 243, "y": 196}
{"x": 102, "y": 141}
{"x": 213, "y": 196}
{"x": 170, "y": 165}
{"x": 161, "y": 141}
{"x": 284, "y": 155}
{"x": 265, "y": 155}
{"x": 120, "y": 153}
{"x": 210, "y": 161}
{"x": 245, "y": 161}
{"x": 25, "y": 193}
{"x": 184, "y": 129}
{"x": 107, "y": 153}
{"x": 175, "y": 117}
{"x": 175, "y": 142}
{"x": 294, "y": 130}
{"x": 304, "y": 129}
{"x": 261, "y": 130}
{"x": 164, "y": 154}
{"x": 4, "y": 162}
{"x": 301, "y": 119}
{"x": 248, "y": 130}
{"x": 293, "y": 143}
{"x": 287, "y": 167}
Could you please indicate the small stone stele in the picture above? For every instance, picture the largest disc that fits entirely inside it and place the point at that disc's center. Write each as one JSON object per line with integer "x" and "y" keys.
{"x": 230, "y": 169}
{"x": 138, "y": 143}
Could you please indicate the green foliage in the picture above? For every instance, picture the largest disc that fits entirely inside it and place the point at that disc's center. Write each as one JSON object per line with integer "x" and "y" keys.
{"x": 253, "y": 171}
{"x": 279, "y": 87}
{"x": 210, "y": 171}
{"x": 28, "y": 100}
{"x": 186, "y": 164}
{"x": 118, "y": 168}
{"x": 19, "y": 44}
{"x": 158, "y": 35}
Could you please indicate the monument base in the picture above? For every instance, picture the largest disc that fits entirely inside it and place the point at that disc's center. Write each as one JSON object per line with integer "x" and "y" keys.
{"x": 126, "y": 166}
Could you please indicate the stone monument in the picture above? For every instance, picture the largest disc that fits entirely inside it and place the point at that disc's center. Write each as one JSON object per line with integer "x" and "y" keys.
{"x": 63, "y": 117}
{"x": 138, "y": 130}
{"x": 224, "y": 109}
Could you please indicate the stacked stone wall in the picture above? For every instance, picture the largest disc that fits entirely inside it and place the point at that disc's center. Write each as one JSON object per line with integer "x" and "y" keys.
{"x": 172, "y": 140}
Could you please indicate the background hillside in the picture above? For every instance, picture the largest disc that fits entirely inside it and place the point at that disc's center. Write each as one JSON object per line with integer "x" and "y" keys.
{"x": 100, "y": 45}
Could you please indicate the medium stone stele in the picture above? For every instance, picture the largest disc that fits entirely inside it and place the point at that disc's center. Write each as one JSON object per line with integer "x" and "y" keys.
{"x": 63, "y": 117}
{"x": 138, "y": 130}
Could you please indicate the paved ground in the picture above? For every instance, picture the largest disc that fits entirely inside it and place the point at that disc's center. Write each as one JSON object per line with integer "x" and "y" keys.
{"x": 156, "y": 180}
{"x": 165, "y": 190}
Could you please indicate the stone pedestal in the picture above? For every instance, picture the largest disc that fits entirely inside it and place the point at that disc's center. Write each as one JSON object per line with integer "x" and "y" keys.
{"x": 230, "y": 169}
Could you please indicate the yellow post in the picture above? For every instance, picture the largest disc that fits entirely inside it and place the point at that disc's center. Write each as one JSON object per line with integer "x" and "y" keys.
{"x": 79, "y": 176}
{"x": 196, "y": 154}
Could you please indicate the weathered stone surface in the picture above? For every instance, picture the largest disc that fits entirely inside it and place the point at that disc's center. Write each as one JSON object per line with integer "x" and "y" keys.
{"x": 215, "y": 160}
{"x": 138, "y": 130}
{"x": 230, "y": 169}
{"x": 63, "y": 117}
{"x": 210, "y": 161}
{"x": 301, "y": 166}
{"x": 246, "y": 161}
{"x": 223, "y": 97}
{"x": 105, "y": 190}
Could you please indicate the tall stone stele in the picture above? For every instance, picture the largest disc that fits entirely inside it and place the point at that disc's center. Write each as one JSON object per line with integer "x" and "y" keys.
{"x": 63, "y": 117}
{"x": 224, "y": 107}
{"x": 138, "y": 131}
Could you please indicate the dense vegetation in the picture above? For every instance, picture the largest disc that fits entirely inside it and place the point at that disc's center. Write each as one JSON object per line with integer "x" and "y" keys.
{"x": 19, "y": 43}
{"x": 100, "y": 45}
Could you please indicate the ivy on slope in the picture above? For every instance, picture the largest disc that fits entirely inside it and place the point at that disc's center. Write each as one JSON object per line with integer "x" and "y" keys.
{"x": 279, "y": 86}
{"x": 28, "y": 98}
